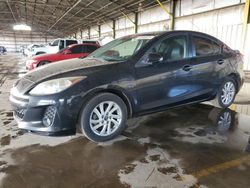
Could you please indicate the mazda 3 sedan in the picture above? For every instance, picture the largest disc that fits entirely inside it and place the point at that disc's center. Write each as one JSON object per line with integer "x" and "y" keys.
{"x": 130, "y": 76}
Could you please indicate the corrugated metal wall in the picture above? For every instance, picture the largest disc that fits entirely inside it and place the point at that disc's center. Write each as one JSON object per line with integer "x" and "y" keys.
{"x": 220, "y": 18}
{"x": 13, "y": 40}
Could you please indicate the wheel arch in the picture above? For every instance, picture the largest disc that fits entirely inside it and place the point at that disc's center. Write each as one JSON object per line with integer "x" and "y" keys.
{"x": 40, "y": 52}
{"x": 236, "y": 77}
{"x": 38, "y": 64}
{"x": 114, "y": 91}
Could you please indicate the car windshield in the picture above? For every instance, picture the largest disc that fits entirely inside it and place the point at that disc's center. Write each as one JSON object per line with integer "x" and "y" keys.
{"x": 121, "y": 49}
{"x": 54, "y": 43}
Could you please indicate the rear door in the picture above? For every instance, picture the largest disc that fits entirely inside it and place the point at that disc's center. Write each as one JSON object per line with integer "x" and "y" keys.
{"x": 207, "y": 63}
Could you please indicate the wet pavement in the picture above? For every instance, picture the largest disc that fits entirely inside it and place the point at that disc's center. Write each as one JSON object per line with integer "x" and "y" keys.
{"x": 193, "y": 146}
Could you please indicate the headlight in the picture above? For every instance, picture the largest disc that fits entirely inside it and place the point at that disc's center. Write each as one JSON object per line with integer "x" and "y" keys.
{"x": 30, "y": 61}
{"x": 55, "y": 86}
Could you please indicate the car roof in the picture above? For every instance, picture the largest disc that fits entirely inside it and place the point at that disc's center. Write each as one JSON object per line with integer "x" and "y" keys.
{"x": 82, "y": 44}
{"x": 165, "y": 33}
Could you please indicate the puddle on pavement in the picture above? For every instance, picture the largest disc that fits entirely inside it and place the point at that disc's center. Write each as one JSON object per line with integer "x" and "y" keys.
{"x": 161, "y": 149}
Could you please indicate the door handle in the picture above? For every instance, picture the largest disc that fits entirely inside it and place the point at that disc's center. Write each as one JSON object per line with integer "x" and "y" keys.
{"x": 187, "y": 68}
{"x": 220, "y": 61}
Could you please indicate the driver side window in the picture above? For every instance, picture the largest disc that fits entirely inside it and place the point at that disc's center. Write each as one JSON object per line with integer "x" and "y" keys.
{"x": 170, "y": 49}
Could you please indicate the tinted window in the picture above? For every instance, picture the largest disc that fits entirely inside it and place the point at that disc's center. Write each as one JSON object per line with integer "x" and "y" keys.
{"x": 205, "y": 46}
{"x": 61, "y": 46}
{"x": 69, "y": 42}
{"x": 172, "y": 49}
{"x": 76, "y": 49}
{"x": 89, "y": 42}
{"x": 90, "y": 48}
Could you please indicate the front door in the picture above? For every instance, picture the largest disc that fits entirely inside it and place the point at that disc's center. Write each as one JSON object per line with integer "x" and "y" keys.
{"x": 168, "y": 81}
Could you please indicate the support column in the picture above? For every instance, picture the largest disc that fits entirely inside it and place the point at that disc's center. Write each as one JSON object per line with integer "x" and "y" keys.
{"x": 136, "y": 22}
{"x": 114, "y": 33}
{"x": 172, "y": 25}
{"x": 89, "y": 32}
{"x": 246, "y": 21}
{"x": 99, "y": 31}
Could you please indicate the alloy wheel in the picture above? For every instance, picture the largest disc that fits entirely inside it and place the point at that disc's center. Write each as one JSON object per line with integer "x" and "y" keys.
{"x": 224, "y": 121}
{"x": 228, "y": 93}
{"x": 105, "y": 118}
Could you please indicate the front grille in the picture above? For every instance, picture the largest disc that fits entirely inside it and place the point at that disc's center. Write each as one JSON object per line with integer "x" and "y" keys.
{"x": 19, "y": 113}
{"x": 49, "y": 116}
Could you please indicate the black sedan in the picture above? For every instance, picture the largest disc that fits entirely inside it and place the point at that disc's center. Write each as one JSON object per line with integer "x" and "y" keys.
{"x": 130, "y": 76}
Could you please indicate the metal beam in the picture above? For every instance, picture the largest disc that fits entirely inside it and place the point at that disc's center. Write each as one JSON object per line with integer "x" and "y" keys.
{"x": 79, "y": 1}
{"x": 8, "y": 4}
{"x": 103, "y": 16}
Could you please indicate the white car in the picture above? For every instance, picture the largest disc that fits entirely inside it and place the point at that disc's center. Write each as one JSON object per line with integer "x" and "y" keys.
{"x": 35, "y": 49}
{"x": 55, "y": 46}
{"x": 59, "y": 44}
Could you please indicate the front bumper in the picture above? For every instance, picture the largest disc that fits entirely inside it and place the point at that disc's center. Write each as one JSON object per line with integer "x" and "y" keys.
{"x": 48, "y": 116}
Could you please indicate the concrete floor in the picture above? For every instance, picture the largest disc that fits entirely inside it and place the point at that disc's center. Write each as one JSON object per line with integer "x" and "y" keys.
{"x": 184, "y": 147}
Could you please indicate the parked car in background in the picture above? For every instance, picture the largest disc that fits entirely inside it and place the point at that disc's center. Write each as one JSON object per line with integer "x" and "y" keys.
{"x": 55, "y": 46}
{"x": 2, "y": 50}
{"x": 72, "y": 51}
{"x": 130, "y": 76}
{"x": 34, "y": 49}
{"x": 59, "y": 44}
{"x": 89, "y": 41}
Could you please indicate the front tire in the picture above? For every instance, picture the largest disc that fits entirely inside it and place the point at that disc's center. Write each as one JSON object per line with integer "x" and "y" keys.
{"x": 43, "y": 63}
{"x": 103, "y": 117}
{"x": 226, "y": 93}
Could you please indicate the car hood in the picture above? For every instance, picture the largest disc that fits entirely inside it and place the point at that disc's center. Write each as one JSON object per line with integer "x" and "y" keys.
{"x": 71, "y": 67}
{"x": 45, "y": 56}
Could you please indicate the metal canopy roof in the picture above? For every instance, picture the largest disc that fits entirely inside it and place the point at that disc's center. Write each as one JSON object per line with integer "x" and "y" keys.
{"x": 64, "y": 17}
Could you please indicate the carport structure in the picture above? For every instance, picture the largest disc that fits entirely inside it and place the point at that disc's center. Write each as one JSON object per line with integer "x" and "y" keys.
{"x": 227, "y": 20}
{"x": 65, "y": 17}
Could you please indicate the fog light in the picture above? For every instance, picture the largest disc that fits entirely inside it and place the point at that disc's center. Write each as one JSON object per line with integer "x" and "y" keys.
{"x": 49, "y": 116}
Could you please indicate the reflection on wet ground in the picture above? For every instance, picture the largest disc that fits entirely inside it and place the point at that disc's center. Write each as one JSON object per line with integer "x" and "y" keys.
{"x": 169, "y": 149}
{"x": 193, "y": 146}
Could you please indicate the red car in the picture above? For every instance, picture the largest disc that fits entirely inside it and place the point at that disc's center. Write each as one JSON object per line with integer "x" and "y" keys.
{"x": 72, "y": 51}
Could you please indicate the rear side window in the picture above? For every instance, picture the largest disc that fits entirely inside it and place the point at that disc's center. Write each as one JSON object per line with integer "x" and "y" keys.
{"x": 90, "y": 48}
{"x": 76, "y": 49}
{"x": 69, "y": 42}
{"x": 204, "y": 46}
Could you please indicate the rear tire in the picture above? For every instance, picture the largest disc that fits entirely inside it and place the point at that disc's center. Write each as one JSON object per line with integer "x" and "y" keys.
{"x": 226, "y": 93}
{"x": 103, "y": 117}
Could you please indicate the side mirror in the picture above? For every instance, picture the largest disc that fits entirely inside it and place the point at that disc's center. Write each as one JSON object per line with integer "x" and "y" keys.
{"x": 154, "y": 58}
{"x": 67, "y": 51}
